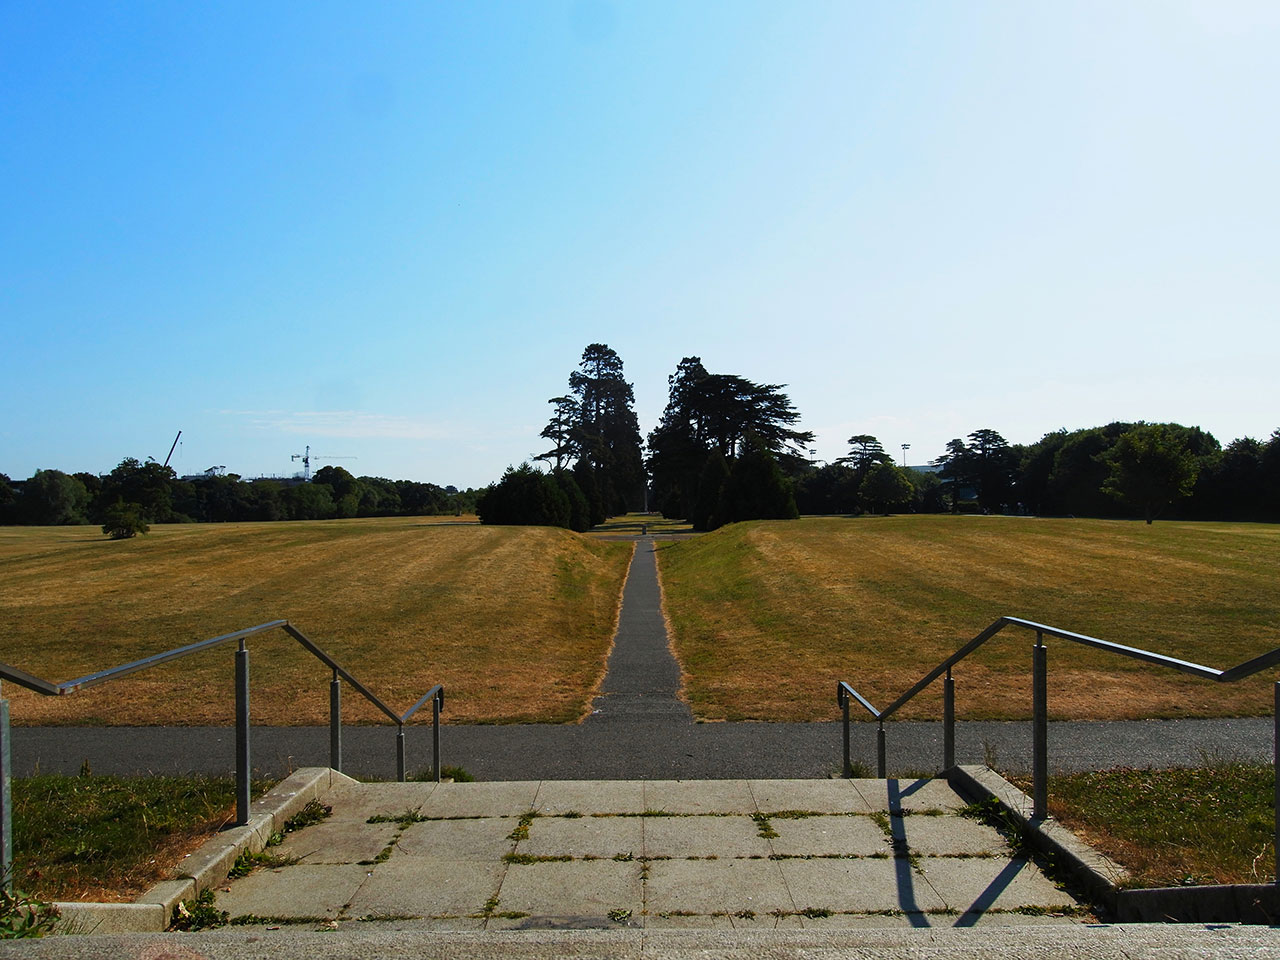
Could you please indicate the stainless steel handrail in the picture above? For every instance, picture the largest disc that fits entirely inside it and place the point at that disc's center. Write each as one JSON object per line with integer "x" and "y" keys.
{"x": 46, "y": 688}
{"x": 846, "y": 694}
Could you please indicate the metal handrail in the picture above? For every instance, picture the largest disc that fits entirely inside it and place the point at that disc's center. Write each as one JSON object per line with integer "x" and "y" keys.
{"x": 846, "y": 694}
{"x": 46, "y": 688}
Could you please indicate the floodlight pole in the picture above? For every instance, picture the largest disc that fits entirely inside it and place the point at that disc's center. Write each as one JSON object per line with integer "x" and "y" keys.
{"x": 905, "y": 448}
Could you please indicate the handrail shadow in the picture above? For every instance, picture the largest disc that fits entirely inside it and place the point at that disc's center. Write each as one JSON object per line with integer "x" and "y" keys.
{"x": 846, "y": 695}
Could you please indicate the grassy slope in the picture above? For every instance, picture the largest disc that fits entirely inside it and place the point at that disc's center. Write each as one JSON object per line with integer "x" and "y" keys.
{"x": 767, "y": 616}
{"x": 515, "y": 621}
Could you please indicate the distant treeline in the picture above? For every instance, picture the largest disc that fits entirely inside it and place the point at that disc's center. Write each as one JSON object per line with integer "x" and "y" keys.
{"x": 729, "y": 449}
{"x": 1147, "y": 470}
{"x": 52, "y": 497}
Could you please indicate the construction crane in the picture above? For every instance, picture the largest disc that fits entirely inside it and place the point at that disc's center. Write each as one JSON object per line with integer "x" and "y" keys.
{"x": 306, "y": 459}
{"x": 171, "y": 449}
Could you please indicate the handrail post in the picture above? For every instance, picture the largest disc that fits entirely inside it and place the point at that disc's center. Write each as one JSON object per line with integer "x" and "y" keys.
{"x": 880, "y": 752}
{"x": 335, "y": 722}
{"x": 844, "y": 706}
{"x": 435, "y": 735}
{"x": 6, "y": 800}
{"x": 1275, "y": 769}
{"x": 948, "y": 722}
{"x": 1040, "y": 730}
{"x": 242, "y": 735}
{"x": 400, "y": 753}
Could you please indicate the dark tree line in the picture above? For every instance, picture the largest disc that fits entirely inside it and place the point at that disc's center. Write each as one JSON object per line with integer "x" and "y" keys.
{"x": 156, "y": 495}
{"x": 1146, "y": 470}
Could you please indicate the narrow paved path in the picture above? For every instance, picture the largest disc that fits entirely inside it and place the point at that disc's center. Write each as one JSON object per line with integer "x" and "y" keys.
{"x": 642, "y": 682}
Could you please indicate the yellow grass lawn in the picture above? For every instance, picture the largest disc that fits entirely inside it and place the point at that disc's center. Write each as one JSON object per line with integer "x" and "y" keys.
{"x": 516, "y": 622}
{"x": 768, "y": 616}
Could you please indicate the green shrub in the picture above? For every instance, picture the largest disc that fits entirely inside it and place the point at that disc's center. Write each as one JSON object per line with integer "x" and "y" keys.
{"x": 123, "y": 520}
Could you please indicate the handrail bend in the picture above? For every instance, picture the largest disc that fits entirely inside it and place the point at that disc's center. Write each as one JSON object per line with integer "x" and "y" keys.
{"x": 47, "y": 688}
{"x": 846, "y": 694}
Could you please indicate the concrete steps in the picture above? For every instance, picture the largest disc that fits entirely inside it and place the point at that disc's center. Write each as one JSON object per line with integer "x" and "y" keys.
{"x": 715, "y": 854}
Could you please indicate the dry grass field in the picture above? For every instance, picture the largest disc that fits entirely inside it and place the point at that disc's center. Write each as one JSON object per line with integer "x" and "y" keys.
{"x": 768, "y": 616}
{"x": 516, "y": 622}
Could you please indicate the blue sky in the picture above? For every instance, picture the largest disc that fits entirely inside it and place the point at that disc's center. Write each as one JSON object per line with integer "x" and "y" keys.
{"x": 388, "y": 230}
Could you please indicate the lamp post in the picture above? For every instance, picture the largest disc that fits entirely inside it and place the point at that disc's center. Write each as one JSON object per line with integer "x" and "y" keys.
{"x": 905, "y": 448}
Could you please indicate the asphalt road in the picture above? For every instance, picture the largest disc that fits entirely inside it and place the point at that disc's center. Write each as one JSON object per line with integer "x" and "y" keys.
{"x": 640, "y": 749}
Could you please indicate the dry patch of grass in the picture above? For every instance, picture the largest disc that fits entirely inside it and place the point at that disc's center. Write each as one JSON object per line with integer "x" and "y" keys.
{"x": 768, "y": 616}
{"x": 516, "y": 622}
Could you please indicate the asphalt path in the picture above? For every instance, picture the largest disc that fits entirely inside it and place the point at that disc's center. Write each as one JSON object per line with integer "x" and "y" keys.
{"x": 642, "y": 679}
{"x": 645, "y": 750}
{"x": 640, "y": 729}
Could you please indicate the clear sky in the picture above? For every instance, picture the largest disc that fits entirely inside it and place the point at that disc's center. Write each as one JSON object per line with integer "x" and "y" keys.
{"x": 388, "y": 230}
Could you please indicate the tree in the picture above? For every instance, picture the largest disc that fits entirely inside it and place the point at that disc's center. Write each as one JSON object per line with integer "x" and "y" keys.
{"x": 886, "y": 486}
{"x": 985, "y": 465}
{"x": 8, "y": 501}
{"x": 565, "y": 431}
{"x": 1150, "y": 466}
{"x": 308, "y": 501}
{"x": 831, "y": 488}
{"x": 755, "y": 489}
{"x": 721, "y": 415}
{"x": 149, "y": 485}
{"x": 715, "y": 473}
{"x": 525, "y": 497}
{"x": 865, "y": 451}
{"x": 608, "y": 431}
{"x": 52, "y": 498}
{"x": 124, "y": 520}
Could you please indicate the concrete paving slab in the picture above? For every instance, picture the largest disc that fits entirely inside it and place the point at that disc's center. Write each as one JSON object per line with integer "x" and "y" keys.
{"x": 426, "y": 924}
{"x": 495, "y": 799}
{"x": 766, "y": 921}
{"x": 711, "y": 886}
{"x": 360, "y": 801}
{"x": 723, "y": 837}
{"x": 304, "y": 890}
{"x": 896, "y": 795}
{"x": 487, "y": 839}
{"x": 950, "y": 835}
{"x": 344, "y": 841}
{"x": 998, "y": 918}
{"x": 584, "y": 889}
{"x": 699, "y": 796}
{"x": 557, "y": 797}
{"x": 657, "y": 921}
{"x": 411, "y": 886}
{"x": 584, "y": 837}
{"x": 975, "y": 884}
{"x": 817, "y": 796}
{"x": 859, "y": 885}
{"x": 866, "y": 921}
{"x": 858, "y": 836}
